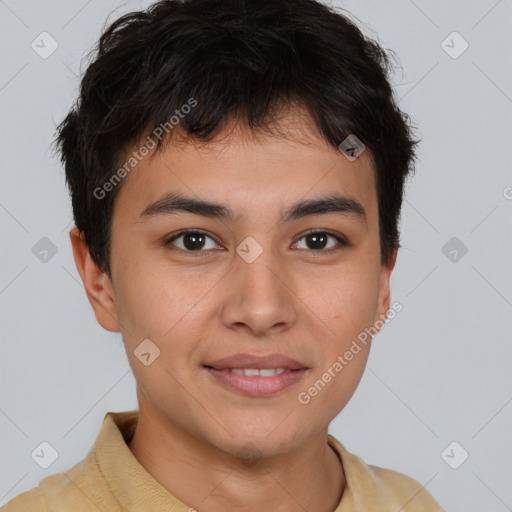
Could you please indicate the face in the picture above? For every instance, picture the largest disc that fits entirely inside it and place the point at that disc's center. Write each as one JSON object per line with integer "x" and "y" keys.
{"x": 301, "y": 284}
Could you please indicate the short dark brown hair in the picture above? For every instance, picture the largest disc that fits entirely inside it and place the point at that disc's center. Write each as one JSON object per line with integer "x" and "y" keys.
{"x": 237, "y": 58}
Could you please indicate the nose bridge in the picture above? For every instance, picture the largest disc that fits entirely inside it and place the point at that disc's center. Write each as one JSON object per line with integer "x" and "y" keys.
{"x": 259, "y": 296}
{"x": 260, "y": 275}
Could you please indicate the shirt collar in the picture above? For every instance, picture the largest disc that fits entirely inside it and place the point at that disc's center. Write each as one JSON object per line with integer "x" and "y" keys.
{"x": 133, "y": 487}
{"x": 136, "y": 490}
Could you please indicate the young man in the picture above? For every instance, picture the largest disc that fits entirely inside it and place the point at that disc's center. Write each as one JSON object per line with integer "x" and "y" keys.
{"x": 236, "y": 171}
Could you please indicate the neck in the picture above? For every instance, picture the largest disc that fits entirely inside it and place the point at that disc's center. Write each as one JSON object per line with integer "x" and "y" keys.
{"x": 309, "y": 478}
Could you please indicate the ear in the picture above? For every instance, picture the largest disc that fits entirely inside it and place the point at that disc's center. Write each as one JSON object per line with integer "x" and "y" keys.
{"x": 97, "y": 284}
{"x": 384, "y": 298}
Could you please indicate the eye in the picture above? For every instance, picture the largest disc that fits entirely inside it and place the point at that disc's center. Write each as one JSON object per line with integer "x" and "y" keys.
{"x": 193, "y": 241}
{"x": 317, "y": 241}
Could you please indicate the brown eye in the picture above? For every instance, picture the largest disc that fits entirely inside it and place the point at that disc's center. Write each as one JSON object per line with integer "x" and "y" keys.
{"x": 319, "y": 240}
{"x": 192, "y": 241}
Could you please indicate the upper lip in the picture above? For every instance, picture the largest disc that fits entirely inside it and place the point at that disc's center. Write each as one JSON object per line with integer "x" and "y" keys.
{"x": 258, "y": 362}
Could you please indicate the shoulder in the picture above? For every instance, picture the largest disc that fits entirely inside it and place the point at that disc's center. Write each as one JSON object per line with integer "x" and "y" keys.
{"x": 370, "y": 487}
{"x": 80, "y": 488}
{"x": 29, "y": 500}
{"x": 413, "y": 496}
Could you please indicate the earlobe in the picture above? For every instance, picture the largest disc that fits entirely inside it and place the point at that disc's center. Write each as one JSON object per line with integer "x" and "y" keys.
{"x": 96, "y": 283}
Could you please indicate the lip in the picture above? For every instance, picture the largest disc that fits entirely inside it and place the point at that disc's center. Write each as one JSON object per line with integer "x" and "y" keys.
{"x": 254, "y": 361}
{"x": 256, "y": 385}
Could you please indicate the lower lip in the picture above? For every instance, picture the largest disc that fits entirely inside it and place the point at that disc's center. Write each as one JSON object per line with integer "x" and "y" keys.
{"x": 256, "y": 385}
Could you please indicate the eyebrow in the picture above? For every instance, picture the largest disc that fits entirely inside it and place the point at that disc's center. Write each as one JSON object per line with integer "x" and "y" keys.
{"x": 172, "y": 203}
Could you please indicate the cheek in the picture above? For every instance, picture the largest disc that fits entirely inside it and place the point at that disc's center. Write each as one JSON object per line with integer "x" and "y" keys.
{"x": 166, "y": 308}
{"x": 342, "y": 366}
{"x": 147, "y": 306}
{"x": 346, "y": 301}
{"x": 328, "y": 391}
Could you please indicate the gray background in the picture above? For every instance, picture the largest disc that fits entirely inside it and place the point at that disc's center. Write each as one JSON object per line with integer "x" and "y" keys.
{"x": 439, "y": 372}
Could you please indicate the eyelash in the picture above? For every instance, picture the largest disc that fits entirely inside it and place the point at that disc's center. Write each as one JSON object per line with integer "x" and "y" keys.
{"x": 168, "y": 243}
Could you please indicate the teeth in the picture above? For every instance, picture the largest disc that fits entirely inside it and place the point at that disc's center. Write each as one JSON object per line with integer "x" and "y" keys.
{"x": 263, "y": 372}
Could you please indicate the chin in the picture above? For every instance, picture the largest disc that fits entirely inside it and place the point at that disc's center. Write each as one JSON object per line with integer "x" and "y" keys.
{"x": 253, "y": 445}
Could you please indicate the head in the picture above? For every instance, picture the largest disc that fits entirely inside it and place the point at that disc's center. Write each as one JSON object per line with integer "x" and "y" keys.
{"x": 239, "y": 106}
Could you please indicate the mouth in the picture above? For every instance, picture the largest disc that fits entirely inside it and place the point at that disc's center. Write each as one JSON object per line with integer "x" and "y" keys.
{"x": 256, "y": 375}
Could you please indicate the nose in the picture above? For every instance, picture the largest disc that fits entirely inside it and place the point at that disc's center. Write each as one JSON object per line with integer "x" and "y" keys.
{"x": 260, "y": 300}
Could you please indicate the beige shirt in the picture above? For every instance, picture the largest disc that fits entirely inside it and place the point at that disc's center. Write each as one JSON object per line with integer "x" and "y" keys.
{"x": 110, "y": 479}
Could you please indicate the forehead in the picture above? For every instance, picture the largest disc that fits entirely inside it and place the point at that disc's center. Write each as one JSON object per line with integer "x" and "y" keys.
{"x": 250, "y": 170}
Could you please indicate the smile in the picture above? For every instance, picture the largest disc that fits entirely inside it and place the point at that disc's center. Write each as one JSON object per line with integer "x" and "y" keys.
{"x": 256, "y": 381}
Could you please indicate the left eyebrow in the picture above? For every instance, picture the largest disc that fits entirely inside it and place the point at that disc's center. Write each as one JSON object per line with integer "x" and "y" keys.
{"x": 333, "y": 204}
{"x": 172, "y": 203}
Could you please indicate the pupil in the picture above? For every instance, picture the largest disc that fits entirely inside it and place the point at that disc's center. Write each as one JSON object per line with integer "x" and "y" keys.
{"x": 315, "y": 237}
{"x": 194, "y": 237}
